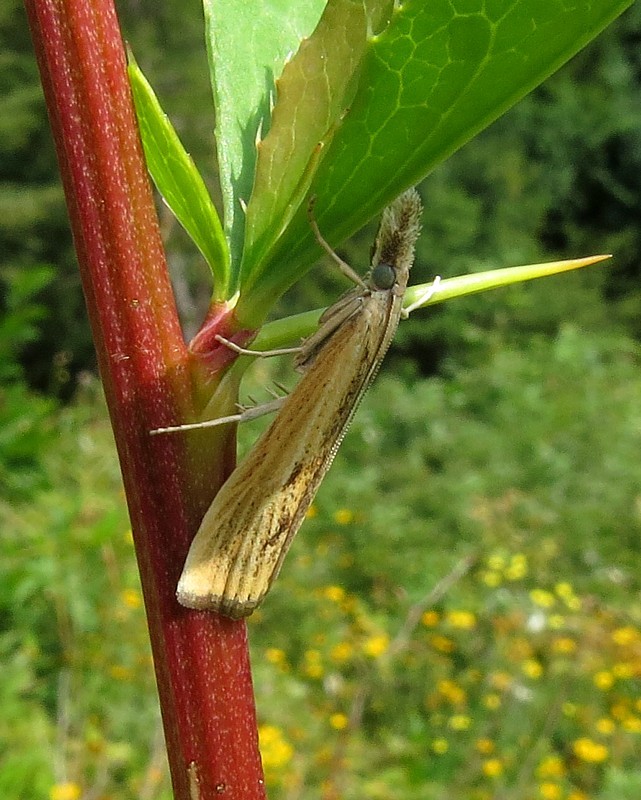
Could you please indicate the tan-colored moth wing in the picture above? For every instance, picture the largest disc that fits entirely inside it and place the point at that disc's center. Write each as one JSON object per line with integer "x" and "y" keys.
{"x": 246, "y": 532}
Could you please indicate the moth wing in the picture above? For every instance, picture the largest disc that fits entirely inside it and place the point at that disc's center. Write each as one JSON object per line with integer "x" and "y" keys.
{"x": 235, "y": 516}
{"x": 264, "y": 546}
{"x": 246, "y": 532}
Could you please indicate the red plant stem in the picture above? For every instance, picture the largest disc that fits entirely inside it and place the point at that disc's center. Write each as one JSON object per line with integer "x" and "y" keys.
{"x": 201, "y": 660}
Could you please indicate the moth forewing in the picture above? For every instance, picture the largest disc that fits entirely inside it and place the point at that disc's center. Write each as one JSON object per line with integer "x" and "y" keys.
{"x": 246, "y": 532}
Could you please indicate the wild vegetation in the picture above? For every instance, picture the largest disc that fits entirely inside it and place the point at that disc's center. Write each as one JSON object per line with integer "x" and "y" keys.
{"x": 460, "y": 616}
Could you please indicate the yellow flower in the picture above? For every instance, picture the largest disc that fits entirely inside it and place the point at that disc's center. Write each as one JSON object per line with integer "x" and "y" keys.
{"x": 632, "y": 724}
{"x": 542, "y": 598}
{"x": 532, "y": 668}
{"x": 620, "y": 711}
{"x": 590, "y": 751}
{"x": 517, "y": 568}
{"x": 452, "y": 692}
{"x": 495, "y": 562}
{"x": 375, "y": 646}
{"x": 492, "y": 767}
{"x": 339, "y": 721}
{"x": 313, "y": 667}
{"x": 484, "y": 746}
{"x": 312, "y": 512}
{"x": 550, "y": 791}
{"x": 556, "y": 621}
{"x": 564, "y": 645}
{"x": 342, "y": 651}
{"x": 603, "y": 680}
{"x": 442, "y": 644}
{"x": 334, "y": 593}
{"x": 430, "y": 618}
{"x": 625, "y": 636}
{"x": 564, "y": 590}
{"x": 131, "y": 598}
{"x": 343, "y": 516}
{"x": 551, "y": 767}
{"x": 440, "y": 746}
{"x": 459, "y": 722}
{"x": 275, "y": 751}
{"x": 491, "y": 578}
{"x": 465, "y": 620}
{"x": 623, "y": 670}
{"x": 65, "y": 791}
{"x": 501, "y": 680}
{"x": 492, "y": 701}
{"x": 275, "y": 656}
{"x": 605, "y": 726}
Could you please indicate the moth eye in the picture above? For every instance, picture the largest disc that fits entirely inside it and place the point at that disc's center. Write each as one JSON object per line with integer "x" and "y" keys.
{"x": 383, "y": 276}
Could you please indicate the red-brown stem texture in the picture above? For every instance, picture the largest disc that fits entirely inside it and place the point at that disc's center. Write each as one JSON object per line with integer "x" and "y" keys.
{"x": 201, "y": 660}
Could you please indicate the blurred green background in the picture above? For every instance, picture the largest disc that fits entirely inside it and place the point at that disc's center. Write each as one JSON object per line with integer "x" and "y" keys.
{"x": 460, "y": 616}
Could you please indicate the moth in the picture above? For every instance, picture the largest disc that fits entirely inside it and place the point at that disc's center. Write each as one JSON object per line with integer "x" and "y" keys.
{"x": 246, "y": 532}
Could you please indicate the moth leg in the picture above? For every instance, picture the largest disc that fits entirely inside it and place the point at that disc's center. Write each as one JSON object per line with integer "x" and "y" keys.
{"x": 342, "y": 265}
{"x": 243, "y": 351}
{"x": 279, "y": 386}
{"x": 330, "y": 322}
{"x": 245, "y": 415}
{"x": 423, "y": 298}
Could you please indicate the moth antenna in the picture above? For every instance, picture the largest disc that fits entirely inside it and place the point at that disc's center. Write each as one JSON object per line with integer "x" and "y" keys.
{"x": 342, "y": 265}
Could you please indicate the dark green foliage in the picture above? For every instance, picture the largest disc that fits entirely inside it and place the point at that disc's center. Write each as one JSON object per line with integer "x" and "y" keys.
{"x": 72, "y": 630}
{"x": 34, "y": 228}
{"x": 24, "y": 426}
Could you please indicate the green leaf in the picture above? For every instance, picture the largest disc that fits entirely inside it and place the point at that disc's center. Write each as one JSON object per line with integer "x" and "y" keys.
{"x": 178, "y": 180}
{"x": 248, "y": 45}
{"x": 439, "y": 73}
{"x": 312, "y": 94}
{"x": 284, "y": 331}
{"x": 463, "y": 285}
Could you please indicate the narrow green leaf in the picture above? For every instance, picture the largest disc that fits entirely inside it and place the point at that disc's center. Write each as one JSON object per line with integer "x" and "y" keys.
{"x": 178, "y": 180}
{"x": 248, "y": 44}
{"x": 439, "y": 72}
{"x": 285, "y": 331}
{"x": 463, "y": 285}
